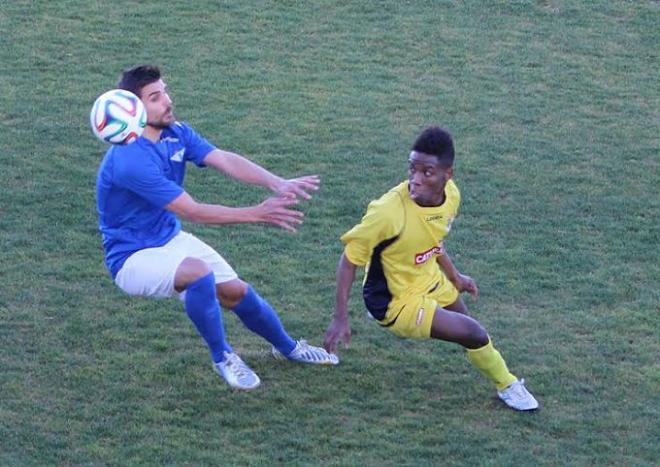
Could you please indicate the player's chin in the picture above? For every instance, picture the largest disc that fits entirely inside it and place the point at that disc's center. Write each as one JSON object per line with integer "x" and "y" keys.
{"x": 423, "y": 201}
{"x": 163, "y": 122}
{"x": 417, "y": 197}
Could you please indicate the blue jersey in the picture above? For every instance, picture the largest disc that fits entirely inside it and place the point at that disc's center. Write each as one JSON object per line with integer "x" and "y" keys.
{"x": 134, "y": 184}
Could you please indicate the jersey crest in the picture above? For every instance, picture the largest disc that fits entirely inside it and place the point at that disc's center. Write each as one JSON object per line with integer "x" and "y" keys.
{"x": 424, "y": 256}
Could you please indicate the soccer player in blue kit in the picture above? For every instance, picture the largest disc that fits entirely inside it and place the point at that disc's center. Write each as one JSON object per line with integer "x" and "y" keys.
{"x": 140, "y": 197}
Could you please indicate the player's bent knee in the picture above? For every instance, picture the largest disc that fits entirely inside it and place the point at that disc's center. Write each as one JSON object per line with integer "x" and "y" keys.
{"x": 189, "y": 271}
{"x": 231, "y": 293}
{"x": 478, "y": 336}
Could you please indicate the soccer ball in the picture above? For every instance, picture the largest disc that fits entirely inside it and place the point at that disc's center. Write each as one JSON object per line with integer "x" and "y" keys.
{"x": 118, "y": 117}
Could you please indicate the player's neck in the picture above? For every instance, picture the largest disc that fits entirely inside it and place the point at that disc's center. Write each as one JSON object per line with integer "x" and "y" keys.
{"x": 152, "y": 133}
{"x": 431, "y": 203}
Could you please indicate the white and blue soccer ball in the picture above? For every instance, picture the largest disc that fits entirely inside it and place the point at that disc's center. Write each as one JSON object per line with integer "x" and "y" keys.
{"x": 118, "y": 117}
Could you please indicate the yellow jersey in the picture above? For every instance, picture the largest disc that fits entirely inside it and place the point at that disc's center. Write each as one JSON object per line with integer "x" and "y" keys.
{"x": 398, "y": 241}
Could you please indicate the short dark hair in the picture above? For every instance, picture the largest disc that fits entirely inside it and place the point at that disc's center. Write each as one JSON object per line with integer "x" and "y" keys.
{"x": 437, "y": 142}
{"x": 138, "y": 77}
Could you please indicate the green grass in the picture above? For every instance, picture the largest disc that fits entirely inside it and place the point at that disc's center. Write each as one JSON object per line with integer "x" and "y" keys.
{"x": 554, "y": 108}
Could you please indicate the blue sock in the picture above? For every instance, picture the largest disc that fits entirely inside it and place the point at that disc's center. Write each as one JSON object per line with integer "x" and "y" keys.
{"x": 204, "y": 310}
{"x": 260, "y": 318}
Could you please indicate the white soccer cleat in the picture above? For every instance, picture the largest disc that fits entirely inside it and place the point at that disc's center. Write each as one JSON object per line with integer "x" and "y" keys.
{"x": 237, "y": 374}
{"x": 518, "y": 397}
{"x": 305, "y": 353}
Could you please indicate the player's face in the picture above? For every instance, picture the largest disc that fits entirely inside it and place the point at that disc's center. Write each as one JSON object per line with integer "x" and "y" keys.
{"x": 158, "y": 104}
{"x": 427, "y": 179}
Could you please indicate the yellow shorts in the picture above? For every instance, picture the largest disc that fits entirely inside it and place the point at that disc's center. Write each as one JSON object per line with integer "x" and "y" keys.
{"x": 411, "y": 316}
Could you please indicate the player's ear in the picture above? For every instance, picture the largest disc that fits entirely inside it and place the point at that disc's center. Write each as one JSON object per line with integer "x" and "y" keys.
{"x": 450, "y": 172}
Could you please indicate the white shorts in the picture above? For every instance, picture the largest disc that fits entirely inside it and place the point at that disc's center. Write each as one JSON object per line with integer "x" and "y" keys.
{"x": 150, "y": 272}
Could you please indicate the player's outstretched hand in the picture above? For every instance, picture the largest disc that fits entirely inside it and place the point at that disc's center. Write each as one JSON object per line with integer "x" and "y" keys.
{"x": 338, "y": 331}
{"x": 467, "y": 284}
{"x": 276, "y": 211}
{"x": 300, "y": 186}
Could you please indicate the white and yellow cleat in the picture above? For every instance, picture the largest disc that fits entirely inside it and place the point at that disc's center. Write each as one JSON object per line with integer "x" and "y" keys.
{"x": 518, "y": 397}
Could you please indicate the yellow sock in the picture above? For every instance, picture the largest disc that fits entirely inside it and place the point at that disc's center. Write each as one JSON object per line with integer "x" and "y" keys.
{"x": 489, "y": 361}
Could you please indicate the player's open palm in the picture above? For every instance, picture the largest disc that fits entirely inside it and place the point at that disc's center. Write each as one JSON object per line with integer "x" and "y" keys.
{"x": 338, "y": 331}
{"x": 276, "y": 210}
{"x": 300, "y": 186}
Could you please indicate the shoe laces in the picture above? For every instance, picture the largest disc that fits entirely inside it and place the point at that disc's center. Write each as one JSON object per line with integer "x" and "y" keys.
{"x": 313, "y": 351}
{"x": 236, "y": 365}
{"x": 518, "y": 389}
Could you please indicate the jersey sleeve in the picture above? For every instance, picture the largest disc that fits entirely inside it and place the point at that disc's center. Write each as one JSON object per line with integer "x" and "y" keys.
{"x": 144, "y": 178}
{"x": 197, "y": 147}
{"x": 382, "y": 221}
{"x": 454, "y": 197}
{"x": 454, "y": 200}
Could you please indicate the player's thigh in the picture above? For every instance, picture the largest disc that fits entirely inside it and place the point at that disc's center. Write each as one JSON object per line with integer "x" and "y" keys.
{"x": 151, "y": 272}
{"x": 410, "y": 316}
{"x": 196, "y": 248}
{"x": 448, "y": 297}
{"x": 456, "y": 327}
{"x": 444, "y": 293}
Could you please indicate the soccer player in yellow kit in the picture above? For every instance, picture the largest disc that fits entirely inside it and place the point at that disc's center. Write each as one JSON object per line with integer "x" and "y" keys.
{"x": 411, "y": 287}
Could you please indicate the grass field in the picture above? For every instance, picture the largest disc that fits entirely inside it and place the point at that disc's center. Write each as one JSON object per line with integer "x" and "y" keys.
{"x": 554, "y": 109}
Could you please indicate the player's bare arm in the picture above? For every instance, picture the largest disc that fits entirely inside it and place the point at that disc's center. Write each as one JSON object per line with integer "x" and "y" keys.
{"x": 244, "y": 170}
{"x": 274, "y": 210}
{"x": 339, "y": 329}
{"x": 462, "y": 282}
